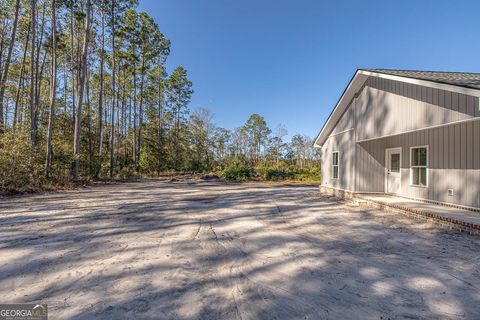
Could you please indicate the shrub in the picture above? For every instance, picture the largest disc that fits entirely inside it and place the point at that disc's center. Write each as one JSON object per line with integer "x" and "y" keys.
{"x": 239, "y": 170}
{"x": 236, "y": 170}
{"x": 275, "y": 174}
{"x": 307, "y": 174}
{"x": 20, "y": 165}
{"x": 242, "y": 173}
{"x": 127, "y": 172}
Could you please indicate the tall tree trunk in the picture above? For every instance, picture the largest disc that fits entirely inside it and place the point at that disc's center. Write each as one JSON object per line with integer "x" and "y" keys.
{"x": 65, "y": 85}
{"x": 112, "y": 136}
{"x": 89, "y": 123}
{"x": 177, "y": 131}
{"x": 129, "y": 115}
{"x": 72, "y": 64}
{"x": 20, "y": 81}
{"x": 3, "y": 77}
{"x": 39, "y": 82}
{"x": 119, "y": 155}
{"x": 53, "y": 88}
{"x": 7, "y": 107}
{"x": 38, "y": 79}
{"x": 125, "y": 134}
{"x": 2, "y": 44}
{"x": 134, "y": 149}
{"x": 81, "y": 86}
{"x": 123, "y": 112}
{"x": 159, "y": 121}
{"x": 105, "y": 117}
{"x": 33, "y": 129}
{"x": 76, "y": 74}
{"x": 140, "y": 119}
{"x": 100, "y": 101}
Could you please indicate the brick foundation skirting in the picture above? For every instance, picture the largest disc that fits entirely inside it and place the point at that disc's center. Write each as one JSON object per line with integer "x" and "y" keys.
{"x": 447, "y": 222}
{"x": 342, "y": 194}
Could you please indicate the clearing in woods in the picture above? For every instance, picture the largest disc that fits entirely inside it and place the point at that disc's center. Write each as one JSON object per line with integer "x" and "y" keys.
{"x": 156, "y": 249}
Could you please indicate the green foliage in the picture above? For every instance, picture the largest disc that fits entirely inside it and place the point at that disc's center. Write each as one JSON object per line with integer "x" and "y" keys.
{"x": 286, "y": 170}
{"x": 257, "y": 131}
{"x": 20, "y": 166}
{"x": 274, "y": 174}
{"x": 311, "y": 174}
{"x": 136, "y": 116}
{"x": 127, "y": 172}
{"x": 236, "y": 170}
{"x": 179, "y": 93}
{"x": 237, "y": 173}
{"x": 147, "y": 162}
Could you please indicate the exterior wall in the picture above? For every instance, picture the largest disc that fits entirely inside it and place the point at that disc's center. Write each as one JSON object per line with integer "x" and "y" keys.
{"x": 386, "y": 107}
{"x": 382, "y": 115}
{"x": 347, "y": 121}
{"x": 370, "y": 170}
{"x": 453, "y": 163}
{"x": 344, "y": 143}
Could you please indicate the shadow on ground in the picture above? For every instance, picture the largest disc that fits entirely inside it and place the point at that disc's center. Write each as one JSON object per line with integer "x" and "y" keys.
{"x": 198, "y": 250}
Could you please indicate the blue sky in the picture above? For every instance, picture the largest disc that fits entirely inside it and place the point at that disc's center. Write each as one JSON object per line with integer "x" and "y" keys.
{"x": 290, "y": 60}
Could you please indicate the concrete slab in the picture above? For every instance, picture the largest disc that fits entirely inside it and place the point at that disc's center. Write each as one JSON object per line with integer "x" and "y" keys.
{"x": 442, "y": 211}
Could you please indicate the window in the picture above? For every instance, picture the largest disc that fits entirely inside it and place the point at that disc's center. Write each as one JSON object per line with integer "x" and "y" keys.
{"x": 395, "y": 162}
{"x": 335, "y": 166}
{"x": 419, "y": 166}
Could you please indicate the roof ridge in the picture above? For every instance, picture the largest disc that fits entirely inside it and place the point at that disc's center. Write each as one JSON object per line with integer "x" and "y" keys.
{"x": 411, "y": 70}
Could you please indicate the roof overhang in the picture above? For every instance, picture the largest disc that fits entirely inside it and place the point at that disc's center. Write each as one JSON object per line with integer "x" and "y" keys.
{"x": 357, "y": 82}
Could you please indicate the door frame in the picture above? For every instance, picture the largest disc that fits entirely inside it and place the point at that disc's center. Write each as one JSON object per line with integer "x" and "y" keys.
{"x": 399, "y": 149}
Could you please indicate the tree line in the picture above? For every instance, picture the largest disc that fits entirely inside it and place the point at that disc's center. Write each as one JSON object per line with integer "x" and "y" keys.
{"x": 84, "y": 94}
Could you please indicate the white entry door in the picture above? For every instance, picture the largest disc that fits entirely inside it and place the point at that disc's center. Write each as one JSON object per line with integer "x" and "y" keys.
{"x": 393, "y": 178}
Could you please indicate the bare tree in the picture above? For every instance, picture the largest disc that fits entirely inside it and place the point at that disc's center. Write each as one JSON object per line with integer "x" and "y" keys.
{"x": 100, "y": 98}
{"x": 112, "y": 135}
{"x": 33, "y": 129}
{"x": 81, "y": 87}
{"x": 53, "y": 88}
{"x": 3, "y": 77}
{"x": 20, "y": 81}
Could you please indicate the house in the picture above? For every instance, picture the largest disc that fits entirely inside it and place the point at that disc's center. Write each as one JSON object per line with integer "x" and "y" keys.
{"x": 415, "y": 134}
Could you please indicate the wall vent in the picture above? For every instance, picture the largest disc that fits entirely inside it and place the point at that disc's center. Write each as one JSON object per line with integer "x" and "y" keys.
{"x": 450, "y": 192}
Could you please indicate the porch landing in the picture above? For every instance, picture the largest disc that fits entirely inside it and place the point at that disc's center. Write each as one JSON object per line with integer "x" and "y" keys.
{"x": 452, "y": 217}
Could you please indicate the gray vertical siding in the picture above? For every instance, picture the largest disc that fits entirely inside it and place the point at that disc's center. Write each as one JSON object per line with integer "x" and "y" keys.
{"x": 387, "y": 107}
{"x": 454, "y": 163}
{"x": 342, "y": 139}
{"x": 344, "y": 143}
{"x": 382, "y": 115}
{"x": 370, "y": 172}
{"x": 346, "y": 122}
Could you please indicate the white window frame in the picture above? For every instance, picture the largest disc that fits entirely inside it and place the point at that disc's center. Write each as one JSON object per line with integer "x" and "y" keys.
{"x": 336, "y": 165}
{"x": 412, "y": 166}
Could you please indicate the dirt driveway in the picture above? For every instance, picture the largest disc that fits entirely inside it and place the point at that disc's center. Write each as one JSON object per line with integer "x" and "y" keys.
{"x": 198, "y": 250}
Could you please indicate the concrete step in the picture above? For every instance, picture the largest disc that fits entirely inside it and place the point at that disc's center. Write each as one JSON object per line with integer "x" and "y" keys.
{"x": 462, "y": 220}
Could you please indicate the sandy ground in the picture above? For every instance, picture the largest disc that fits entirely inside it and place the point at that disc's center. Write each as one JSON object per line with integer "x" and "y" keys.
{"x": 198, "y": 250}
